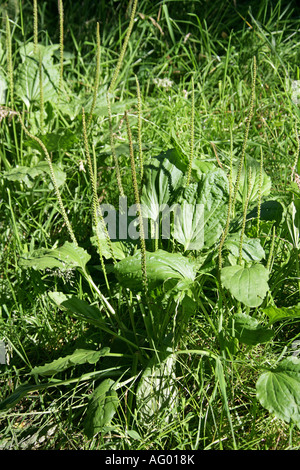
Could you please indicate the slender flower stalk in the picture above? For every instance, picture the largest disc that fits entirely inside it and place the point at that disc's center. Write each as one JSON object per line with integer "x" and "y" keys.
{"x": 35, "y": 26}
{"x": 139, "y": 99}
{"x": 41, "y": 92}
{"x": 245, "y": 217}
{"x": 249, "y": 117}
{"x": 9, "y": 61}
{"x": 95, "y": 206}
{"x": 113, "y": 150}
{"x": 61, "y": 41}
{"x": 97, "y": 76}
{"x": 123, "y": 50}
{"x": 271, "y": 250}
{"x": 260, "y": 189}
{"x": 225, "y": 232}
{"x": 294, "y": 167}
{"x": 95, "y": 198}
{"x": 192, "y": 134}
{"x": 138, "y": 205}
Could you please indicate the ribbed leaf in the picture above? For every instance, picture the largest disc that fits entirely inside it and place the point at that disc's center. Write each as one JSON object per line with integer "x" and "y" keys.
{"x": 157, "y": 390}
{"x": 28, "y": 175}
{"x": 27, "y": 83}
{"x": 247, "y": 284}
{"x": 278, "y": 390}
{"x": 249, "y": 330}
{"x": 201, "y": 211}
{"x": 101, "y": 408}
{"x": 68, "y": 256}
{"x": 160, "y": 266}
{"x": 283, "y": 313}
{"x": 161, "y": 179}
{"x": 79, "y": 356}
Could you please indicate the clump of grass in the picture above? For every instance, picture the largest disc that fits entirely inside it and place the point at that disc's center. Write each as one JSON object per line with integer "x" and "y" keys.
{"x": 9, "y": 61}
{"x": 53, "y": 180}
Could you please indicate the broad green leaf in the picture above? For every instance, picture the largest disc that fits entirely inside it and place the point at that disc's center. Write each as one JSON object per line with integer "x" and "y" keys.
{"x": 101, "y": 408}
{"x": 251, "y": 249}
{"x": 255, "y": 181}
{"x": 68, "y": 256}
{"x": 18, "y": 394}
{"x": 47, "y": 52}
{"x": 161, "y": 179}
{"x": 189, "y": 225}
{"x": 278, "y": 390}
{"x": 178, "y": 157}
{"x": 120, "y": 249}
{"x": 27, "y": 175}
{"x": 283, "y": 313}
{"x": 269, "y": 211}
{"x": 201, "y": 211}
{"x": 248, "y": 330}
{"x": 27, "y": 82}
{"x": 161, "y": 266}
{"x": 79, "y": 307}
{"x": 249, "y": 285}
{"x": 80, "y": 356}
{"x": 100, "y": 109}
{"x": 157, "y": 391}
{"x": 61, "y": 139}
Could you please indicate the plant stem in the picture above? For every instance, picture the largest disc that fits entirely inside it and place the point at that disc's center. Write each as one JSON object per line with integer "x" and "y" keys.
{"x": 61, "y": 41}
{"x": 35, "y": 26}
{"x": 138, "y": 205}
{"x": 97, "y": 76}
{"x": 9, "y": 61}
{"x": 249, "y": 117}
{"x": 192, "y": 134}
{"x": 140, "y": 128}
{"x": 259, "y": 190}
{"x": 95, "y": 204}
{"x": 123, "y": 50}
{"x": 113, "y": 150}
{"x": 41, "y": 92}
{"x": 245, "y": 218}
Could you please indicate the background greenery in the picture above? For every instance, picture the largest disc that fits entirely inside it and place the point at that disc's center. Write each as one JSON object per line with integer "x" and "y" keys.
{"x": 171, "y": 41}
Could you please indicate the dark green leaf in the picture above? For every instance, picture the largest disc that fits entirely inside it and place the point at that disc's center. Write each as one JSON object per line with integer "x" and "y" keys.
{"x": 278, "y": 390}
{"x": 101, "y": 408}
{"x": 80, "y": 356}
{"x": 248, "y": 330}
{"x": 68, "y": 256}
{"x": 283, "y": 313}
{"x": 251, "y": 249}
{"x": 249, "y": 285}
{"x": 161, "y": 266}
{"x": 27, "y": 175}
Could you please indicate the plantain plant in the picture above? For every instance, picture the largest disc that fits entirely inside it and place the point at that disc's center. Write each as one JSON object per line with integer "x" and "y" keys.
{"x": 190, "y": 225}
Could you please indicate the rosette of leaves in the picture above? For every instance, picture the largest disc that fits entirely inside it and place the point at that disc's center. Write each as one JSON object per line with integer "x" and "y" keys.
{"x": 199, "y": 210}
